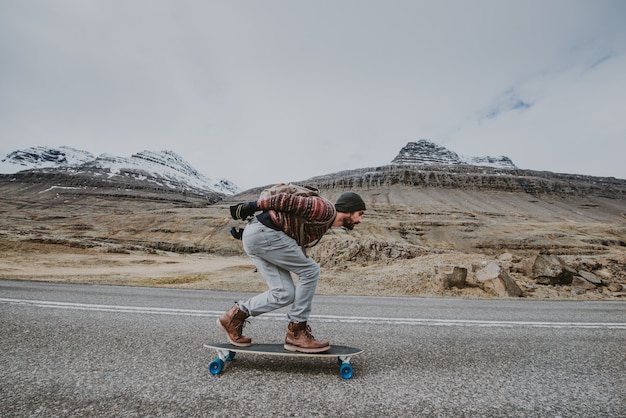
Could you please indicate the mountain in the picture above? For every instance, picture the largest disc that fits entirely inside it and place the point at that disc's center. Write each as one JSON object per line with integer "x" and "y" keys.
{"x": 144, "y": 170}
{"x": 425, "y": 152}
{"x": 424, "y": 164}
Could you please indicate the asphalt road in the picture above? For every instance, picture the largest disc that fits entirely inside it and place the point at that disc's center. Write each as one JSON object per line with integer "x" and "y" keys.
{"x": 81, "y": 351}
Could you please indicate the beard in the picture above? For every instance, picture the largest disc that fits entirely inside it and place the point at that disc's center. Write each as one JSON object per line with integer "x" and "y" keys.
{"x": 347, "y": 223}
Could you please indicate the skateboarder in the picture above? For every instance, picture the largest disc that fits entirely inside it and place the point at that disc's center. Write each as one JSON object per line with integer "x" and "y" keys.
{"x": 274, "y": 241}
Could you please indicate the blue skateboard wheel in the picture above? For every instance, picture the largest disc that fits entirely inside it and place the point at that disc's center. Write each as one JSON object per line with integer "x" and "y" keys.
{"x": 216, "y": 366}
{"x": 346, "y": 371}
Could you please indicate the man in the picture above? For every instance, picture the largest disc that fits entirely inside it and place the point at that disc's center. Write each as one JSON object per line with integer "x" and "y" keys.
{"x": 275, "y": 241}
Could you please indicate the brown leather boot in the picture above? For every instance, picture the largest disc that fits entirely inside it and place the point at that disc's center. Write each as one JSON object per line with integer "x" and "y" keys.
{"x": 232, "y": 323}
{"x": 299, "y": 338}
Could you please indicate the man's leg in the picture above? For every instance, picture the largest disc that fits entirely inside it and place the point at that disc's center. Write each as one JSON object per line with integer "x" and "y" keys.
{"x": 275, "y": 268}
{"x": 308, "y": 277}
{"x": 280, "y": 293}
{"x": 299, "y": 336}
{"x": 276, "y": 255}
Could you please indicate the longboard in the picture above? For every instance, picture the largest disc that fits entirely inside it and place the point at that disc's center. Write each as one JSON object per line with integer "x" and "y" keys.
{"x": 227, "y": 352}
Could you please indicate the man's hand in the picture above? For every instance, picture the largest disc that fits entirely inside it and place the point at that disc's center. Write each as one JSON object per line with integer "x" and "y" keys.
{"x": 236, "y": 233}
{"x": 242, "y": 211}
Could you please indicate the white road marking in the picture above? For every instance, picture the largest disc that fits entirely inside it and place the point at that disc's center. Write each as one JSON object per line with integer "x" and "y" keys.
{"x": 319, "y": 318}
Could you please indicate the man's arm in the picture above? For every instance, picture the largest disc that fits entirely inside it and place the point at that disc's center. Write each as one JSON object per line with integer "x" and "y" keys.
{"x": 311, "y": 208}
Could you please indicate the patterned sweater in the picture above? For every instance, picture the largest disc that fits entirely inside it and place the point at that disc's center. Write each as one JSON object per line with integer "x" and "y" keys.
{"x": 304, "y": 218}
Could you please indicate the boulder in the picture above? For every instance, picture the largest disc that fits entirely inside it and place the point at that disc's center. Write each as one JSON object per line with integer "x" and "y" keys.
{"x": 455, "y": 279}
{"x": 580, "y": 285}
{"x": 550, "y": 269}
{"x": 524, "y": 267}
{"x": 590, "y": 277}
{"x": 492, "y": 278}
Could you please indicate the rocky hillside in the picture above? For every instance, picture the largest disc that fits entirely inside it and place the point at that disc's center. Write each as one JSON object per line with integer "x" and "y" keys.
{"x": 466, "y": 177}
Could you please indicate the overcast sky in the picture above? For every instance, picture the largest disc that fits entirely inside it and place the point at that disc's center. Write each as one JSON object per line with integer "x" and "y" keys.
{"x": 265, "y": 91}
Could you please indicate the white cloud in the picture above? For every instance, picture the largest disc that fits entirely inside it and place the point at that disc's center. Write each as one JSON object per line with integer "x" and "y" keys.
{"x": 260, "y": 92}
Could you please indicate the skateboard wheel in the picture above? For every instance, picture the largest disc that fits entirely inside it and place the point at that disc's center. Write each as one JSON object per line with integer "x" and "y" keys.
{"x": 231, "y": 355}
{"x": 216, "y": 366}
{"x": 346, "y": 371}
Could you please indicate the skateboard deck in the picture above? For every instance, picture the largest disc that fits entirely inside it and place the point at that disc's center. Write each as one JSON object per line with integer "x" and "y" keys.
{"x": 227, "y": 352}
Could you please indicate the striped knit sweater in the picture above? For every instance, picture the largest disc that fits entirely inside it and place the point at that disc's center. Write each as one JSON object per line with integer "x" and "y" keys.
{"x": 304, "y": 218}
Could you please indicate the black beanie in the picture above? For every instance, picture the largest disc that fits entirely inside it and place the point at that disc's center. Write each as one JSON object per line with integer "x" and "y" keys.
{"x": 349, "y": 202}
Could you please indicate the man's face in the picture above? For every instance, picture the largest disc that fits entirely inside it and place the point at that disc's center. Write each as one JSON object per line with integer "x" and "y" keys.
{"x": 352, "y": 219}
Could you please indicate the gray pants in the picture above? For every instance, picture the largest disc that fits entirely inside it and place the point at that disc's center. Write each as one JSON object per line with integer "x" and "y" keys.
{"x": 276, "y": 255}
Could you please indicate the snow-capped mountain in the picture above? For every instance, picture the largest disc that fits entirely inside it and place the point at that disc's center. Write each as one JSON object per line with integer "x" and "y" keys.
{"x": 425, "y": 152}
{"x": 162, "y": 169}
{"x": 43, "y": 157}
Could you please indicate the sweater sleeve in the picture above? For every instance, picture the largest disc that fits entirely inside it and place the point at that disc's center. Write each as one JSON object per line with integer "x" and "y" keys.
{"x": 311, "y": 208}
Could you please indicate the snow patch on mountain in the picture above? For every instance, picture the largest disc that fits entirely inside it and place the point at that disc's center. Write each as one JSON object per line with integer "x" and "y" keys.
{"x": 496, "y": 162}
{"x": 165, "y": 168}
